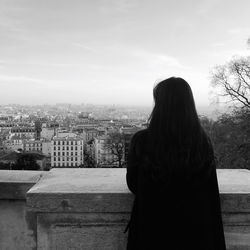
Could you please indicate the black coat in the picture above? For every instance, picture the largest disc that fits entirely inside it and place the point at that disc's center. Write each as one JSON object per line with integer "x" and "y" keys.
{"x": 175, "y": 216}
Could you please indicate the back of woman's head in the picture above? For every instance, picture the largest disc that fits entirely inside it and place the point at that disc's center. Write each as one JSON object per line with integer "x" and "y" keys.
{"x": 175, "y": 136}
{"x": 174, "y": 111}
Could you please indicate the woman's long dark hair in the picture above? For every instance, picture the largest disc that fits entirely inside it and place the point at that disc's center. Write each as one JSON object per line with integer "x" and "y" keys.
{"x": 176, "y": 138}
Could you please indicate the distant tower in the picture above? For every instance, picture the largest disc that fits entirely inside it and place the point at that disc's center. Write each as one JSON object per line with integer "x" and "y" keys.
{"x": 38, "y": 129}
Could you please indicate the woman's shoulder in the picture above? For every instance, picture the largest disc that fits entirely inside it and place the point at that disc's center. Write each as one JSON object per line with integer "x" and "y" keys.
{"x": 140, "y": 134}
{"x": 138, "y": 139}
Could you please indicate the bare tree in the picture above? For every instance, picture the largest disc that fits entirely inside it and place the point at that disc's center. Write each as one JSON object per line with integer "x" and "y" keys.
{"x": 116, "y": 146}
{"x": 89, "y": 161}
{"x": 233, "y": 79}
{"x": 230, "y": 133}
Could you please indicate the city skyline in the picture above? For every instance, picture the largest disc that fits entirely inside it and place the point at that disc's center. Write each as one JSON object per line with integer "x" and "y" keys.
{"x": 114, "y": 51}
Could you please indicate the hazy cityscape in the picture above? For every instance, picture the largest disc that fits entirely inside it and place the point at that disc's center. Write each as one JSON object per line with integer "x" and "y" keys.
{"x": 84, "y": 132}
{"x": 74, "y": 89}
{"x": 39, "y": 129}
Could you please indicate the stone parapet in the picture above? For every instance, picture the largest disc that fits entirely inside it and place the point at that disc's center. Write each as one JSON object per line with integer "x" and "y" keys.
{"x": 17, "y": 226}
{"x": 14, "y": 184}
{"x": 89, "y": 208}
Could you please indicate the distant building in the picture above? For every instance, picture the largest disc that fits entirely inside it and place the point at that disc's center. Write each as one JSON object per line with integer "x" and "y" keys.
{"x": 48, "y": 133}
{"x": 65, "y": 133}
{"x": 82, "y": 126}
{"x": 84, "y": 116}
{"x": 32, "y": 145}
{"x": 16, "y": 142}
{"x": 4, "y": 119}
{"x": 129, "y": 129}
{"x": 41, "y": 146}
{"x": 90, "y": 133}
{"x": 53, "y": 125}
{"x": 28, "y": 132}
{"x": 67, "y": 151}
{"x": 6, "y": 126}
{"x": 46, "y": 148}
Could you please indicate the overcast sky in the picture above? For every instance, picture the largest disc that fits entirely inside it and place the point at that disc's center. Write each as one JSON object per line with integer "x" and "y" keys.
{"x": 113, "y": 51}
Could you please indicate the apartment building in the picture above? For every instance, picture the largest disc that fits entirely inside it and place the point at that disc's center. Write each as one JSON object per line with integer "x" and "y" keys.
{"x": 67, "y": 151}
{"x": 32, "y": 145}
{"x": 28, "y": 132}
{"x": 42, "y": 146}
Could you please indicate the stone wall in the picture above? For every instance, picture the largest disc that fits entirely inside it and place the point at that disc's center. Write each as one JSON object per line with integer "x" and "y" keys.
{"x": 17, "y": 226}
{"x": 89, "y": 209}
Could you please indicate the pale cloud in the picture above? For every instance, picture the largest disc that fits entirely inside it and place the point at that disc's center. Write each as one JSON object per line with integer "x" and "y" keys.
{"x": 226, "y": 55}
{"x": 83, "y": 46}
{"x": 115, "y": 6}
{"x": 7, "y": 63}
{"x": 239, "y": 34}
{"x": 10, "y": 26}
{"x": 19, "y": 79}
{"x": 2, "y": 64}
{"x": 169, "y": 61}
{"x": 239, "y": 31}
{"x": 151, "y": 58}
{"x": 135, "y": 55}
{"x": 31, "y": 84}
{"x": 183, "y": 23}
{"x": 218, "y": 44}
{"x": 9, "y": 21}
{"x": 204, "y": 6}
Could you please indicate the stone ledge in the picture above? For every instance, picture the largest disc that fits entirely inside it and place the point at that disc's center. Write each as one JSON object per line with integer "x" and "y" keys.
{"x": 234, "y": 181}
{"x": 105, "y": 190}
{"x": 89, "y": 208}
{"x": 81, "y": 190}
{"x": 82, "y": 180}
{"x": 14, "y": 184}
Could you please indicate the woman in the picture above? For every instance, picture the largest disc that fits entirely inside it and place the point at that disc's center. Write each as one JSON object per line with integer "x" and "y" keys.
{"x": 171, "y": 170}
